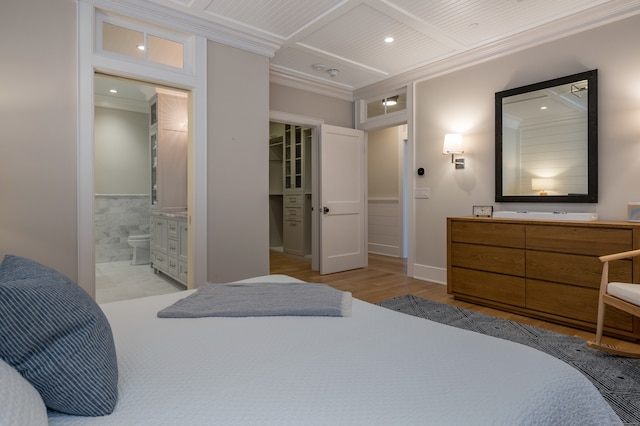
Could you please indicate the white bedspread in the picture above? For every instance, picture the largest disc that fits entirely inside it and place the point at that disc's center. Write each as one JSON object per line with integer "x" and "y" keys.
{"x": 377, "y": 367}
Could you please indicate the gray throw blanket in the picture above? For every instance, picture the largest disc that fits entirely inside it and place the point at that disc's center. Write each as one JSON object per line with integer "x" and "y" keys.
{"x": 261, "y": 299}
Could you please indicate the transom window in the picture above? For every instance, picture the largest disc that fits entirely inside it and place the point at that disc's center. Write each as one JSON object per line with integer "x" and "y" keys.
{"x": 143, "y": 42}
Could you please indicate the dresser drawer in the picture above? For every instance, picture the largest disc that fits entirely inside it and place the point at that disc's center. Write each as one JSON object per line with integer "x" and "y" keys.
{"x": 487, "y": 285}
{"x": 502, "y": 260}
{"x": 172, "y": 228}
{"x": 579, "y": 239}
{"x": 292, "y": 200}
{"x": 488, "y": 233}
{"x": 293, "y": 211}
{"x": 572, "y": 302}
{"x": 172, "y": 247}
{"x": 583, "y": 271}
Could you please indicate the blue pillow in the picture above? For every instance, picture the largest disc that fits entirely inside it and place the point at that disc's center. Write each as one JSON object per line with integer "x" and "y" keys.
{"x": 57, "y": 337}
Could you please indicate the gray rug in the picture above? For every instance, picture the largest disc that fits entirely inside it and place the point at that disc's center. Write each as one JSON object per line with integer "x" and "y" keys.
{"x": 617, "y": 378}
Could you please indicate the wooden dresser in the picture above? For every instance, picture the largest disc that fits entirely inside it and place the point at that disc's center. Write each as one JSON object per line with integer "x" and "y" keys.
{"x": 543, "y": 269}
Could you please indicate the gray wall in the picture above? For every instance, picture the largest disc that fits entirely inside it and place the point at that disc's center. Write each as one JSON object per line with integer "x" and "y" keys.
{"x": 333, "y": 111}
{"x": 122, "y": 162}
{"x": 38, "y": 108}
{"x": 238, "y": 164}
{"x": 463, "y": 101}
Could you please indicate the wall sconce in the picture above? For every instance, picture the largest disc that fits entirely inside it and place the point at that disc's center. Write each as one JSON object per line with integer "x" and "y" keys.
{"x": 542, "y": 184}
{"x": 453, "y": 145}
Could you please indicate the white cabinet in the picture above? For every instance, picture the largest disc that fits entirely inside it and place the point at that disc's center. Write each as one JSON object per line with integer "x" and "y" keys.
{"x": 169, "y": 245}
{"x": 168, "y": 138}
{"x": 297, "y": 159}
{"x": 297, "y": 229}
{"x": 290, "y": 188}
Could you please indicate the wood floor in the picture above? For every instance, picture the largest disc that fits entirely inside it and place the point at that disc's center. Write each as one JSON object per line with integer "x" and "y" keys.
{"x": 385, "y": 278}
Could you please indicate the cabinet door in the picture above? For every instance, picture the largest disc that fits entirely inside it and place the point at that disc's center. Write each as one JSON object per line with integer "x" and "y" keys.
{"x": 288, "y": 157}
{"x": 172, "y": 170}
{"x": 183, "y": 240}
{"x": 293, "y": 236}
{"x": 153, "y": 143}
{"x": 160, "y": 237}
{"x": 298, "y": 156}
{"x": 295, "y": 157}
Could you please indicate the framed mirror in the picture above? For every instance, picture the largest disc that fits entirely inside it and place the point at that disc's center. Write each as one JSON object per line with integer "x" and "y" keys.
{"x": 547, "y": 141}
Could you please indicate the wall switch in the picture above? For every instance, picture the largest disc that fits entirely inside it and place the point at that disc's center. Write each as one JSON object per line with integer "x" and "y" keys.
{"x": 423, "y": 192}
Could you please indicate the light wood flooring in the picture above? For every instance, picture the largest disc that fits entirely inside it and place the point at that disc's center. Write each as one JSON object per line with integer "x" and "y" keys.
{"x": 385, "y": 278}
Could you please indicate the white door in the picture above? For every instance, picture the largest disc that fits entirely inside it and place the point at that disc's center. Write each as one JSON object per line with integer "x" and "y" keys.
{"x": 343, "y": 237}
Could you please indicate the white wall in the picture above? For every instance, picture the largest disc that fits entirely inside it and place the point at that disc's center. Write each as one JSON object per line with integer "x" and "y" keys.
{"x": 238, "y": 161}
{"x": 463, "y": 101}
{"x": 38, "y": 107}
{"x": 122, "y": 162}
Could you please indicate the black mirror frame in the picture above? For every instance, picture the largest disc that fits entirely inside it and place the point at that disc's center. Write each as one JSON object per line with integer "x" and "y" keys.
{"x": 592, "y": 141}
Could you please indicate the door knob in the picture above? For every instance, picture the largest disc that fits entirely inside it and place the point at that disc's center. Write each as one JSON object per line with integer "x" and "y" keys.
{"x": 325, "y": 210}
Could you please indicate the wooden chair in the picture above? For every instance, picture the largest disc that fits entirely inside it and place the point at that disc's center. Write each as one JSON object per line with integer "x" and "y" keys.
{"x": 624, "y": 296}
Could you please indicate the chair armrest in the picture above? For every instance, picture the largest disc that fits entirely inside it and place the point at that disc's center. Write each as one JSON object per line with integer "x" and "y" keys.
{"x": 622, "y": 255}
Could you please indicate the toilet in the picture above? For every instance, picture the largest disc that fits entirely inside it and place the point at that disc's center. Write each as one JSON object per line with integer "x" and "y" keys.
{"x": 140, "y": 244}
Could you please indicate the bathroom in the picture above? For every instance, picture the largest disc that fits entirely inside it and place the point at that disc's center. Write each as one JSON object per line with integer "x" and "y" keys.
{"x": 123, "y": 181}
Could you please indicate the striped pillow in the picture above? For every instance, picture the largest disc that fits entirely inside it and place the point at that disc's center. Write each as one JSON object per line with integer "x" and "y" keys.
{"x": 57, "y": 337}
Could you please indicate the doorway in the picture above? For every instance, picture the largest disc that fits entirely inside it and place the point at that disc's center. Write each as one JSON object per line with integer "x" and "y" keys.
{"x": 290, "y": 188}
{"x": 387, "y": 191}
{"x": 131, "y": 117}
{"x": 340, "y": 218}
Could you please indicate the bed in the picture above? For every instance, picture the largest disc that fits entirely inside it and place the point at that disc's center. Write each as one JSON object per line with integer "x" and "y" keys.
{"x": 375, "y": 366}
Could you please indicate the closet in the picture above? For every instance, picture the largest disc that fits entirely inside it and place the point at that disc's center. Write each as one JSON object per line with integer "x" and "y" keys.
{"x": 290, "y": 188}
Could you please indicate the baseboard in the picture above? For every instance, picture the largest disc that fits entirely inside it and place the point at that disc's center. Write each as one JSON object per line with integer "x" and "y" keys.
{"x": 384, "y": 250}
{"x": 430, "y": 273}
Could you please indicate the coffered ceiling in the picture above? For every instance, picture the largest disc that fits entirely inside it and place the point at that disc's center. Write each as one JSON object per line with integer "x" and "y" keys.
{"x": 312, "y": 37}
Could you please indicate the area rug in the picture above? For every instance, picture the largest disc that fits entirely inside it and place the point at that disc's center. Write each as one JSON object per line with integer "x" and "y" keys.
{"x": 617, "y": 378}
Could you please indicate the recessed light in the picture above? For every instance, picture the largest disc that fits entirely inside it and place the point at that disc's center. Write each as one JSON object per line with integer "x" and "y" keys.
{"x": 140, "y": 47}
{"x": 319, "y": 67}
{"x": 543, "y": 107}
{"x": 113, "y": 91}
{"x": 388, "y": 39}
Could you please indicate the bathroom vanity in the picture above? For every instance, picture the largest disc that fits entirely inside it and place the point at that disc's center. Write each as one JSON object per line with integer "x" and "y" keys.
{"x": 169, "y": 245}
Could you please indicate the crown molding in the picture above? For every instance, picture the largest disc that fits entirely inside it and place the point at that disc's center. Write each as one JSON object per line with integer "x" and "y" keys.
{"x": 595, "y": 17}
{"x": 174, "y": 19}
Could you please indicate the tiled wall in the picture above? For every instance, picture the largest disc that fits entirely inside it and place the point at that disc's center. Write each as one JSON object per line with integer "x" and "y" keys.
{"x": 117, "y": 217}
